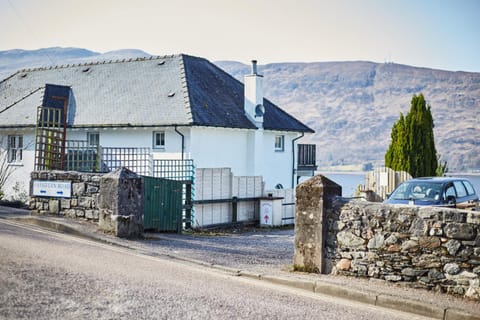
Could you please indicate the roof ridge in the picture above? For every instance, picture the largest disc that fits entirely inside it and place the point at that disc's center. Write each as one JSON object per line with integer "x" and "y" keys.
{"x": 186, "y": 95}
{"x": 92, "y": 63}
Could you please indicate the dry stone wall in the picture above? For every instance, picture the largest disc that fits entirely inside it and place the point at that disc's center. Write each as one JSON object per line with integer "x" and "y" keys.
{"x": 433, "y": 248}
{"x": 82, "y": 204}
{"x": 113, "y": 200}
{"x": 420, "y": 247}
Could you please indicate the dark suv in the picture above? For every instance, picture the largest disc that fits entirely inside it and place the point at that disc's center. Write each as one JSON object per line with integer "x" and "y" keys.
{"x": 437, "y": 191}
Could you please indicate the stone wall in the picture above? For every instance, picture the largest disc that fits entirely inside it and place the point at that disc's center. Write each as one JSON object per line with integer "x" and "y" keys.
{"x": 313, "y": 197}
{"x": 113, "y": 200}
{"x": 121, "y": 203}
{"x": 82, "y": 204}
{"x": 432, "y": 248}
{"x": 421, "y": 247}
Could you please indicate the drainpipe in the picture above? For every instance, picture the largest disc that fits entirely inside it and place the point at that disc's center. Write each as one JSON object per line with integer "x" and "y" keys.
{"x": 293, "y": 159}
{"x": 183, "y": 140}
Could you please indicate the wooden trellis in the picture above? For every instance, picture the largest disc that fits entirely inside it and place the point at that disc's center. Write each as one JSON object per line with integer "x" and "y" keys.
{"x": 50, "y": 139}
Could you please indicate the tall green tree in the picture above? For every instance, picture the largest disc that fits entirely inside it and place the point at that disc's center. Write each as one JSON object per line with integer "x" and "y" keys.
{"x": 412, "y": 148}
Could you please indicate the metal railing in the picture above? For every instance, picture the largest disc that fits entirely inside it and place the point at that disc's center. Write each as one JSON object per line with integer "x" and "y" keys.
{"x": 137, "y": 160}
{"x": 306, "y": 155}
{"x": 180, "y": 170}
{"x": 174, "y": 169}
{"x": 80, "y": 156}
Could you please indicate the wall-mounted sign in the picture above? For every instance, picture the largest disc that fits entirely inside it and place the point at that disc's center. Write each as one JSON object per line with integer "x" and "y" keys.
{"x": 266, "y": 213}
{"x": 57, "y": 189}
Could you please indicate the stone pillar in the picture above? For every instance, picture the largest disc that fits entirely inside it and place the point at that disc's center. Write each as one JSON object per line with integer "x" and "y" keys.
{"x": 121, "y": 203}
{"x": 312, "y": 198}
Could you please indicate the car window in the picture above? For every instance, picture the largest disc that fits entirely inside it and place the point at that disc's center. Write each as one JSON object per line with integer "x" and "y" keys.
{"x": 461, "y": 191}
{"x": 402, "y": 192}
{"x": 469, "y": 187}
{"x": 432, "y": 192}
{"x": 450, "y": 191}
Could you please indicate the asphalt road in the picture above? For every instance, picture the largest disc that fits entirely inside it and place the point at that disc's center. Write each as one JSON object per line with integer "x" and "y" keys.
{"x": 45, "y": 275}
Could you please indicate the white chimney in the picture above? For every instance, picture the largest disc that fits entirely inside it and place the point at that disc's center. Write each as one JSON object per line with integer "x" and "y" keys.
{"x": 253, "y": 104}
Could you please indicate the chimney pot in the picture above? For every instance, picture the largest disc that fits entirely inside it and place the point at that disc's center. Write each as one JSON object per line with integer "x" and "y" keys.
{"x": 254, "y": 66}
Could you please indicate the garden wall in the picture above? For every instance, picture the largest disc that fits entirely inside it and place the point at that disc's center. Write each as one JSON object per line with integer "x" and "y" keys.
{"x": 427, "y": 247}
{"x": 113, "y": 200}
{"x": 83, "y": 202}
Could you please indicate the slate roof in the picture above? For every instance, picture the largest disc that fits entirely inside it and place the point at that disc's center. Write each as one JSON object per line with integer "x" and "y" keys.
{"x": 159, "y": 91}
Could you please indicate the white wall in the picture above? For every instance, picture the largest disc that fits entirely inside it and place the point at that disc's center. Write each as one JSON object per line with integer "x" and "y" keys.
{"x": 219, "y": 148}
{"x": 277, "y": 165}
{"x": 233, "y": 148}
{"x": 138, "y": 137}
{"x": 20, "y": 176}
{"x": 208, "y": 147}
{"x": 109, "y": 137}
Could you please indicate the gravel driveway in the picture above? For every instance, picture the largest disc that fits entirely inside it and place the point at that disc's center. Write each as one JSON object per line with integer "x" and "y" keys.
{"x": 258, "y": 250}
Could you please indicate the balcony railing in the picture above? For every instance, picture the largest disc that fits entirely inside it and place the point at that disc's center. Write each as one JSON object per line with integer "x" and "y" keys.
{"x": 307, "y": 160}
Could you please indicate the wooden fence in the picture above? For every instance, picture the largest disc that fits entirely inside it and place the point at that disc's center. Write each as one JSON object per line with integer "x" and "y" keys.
{"x": 221, "y": 197}
{"x": 382, "y": 181}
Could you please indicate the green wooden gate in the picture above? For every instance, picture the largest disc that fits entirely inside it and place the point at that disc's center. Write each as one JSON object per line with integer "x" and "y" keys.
{"x": 163, "y": 204}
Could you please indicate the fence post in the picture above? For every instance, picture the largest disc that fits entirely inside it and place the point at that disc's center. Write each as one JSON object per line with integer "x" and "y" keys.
{"x": 98, "y": 165}
{"x": 188, "y": 205}
{"x": 121, "y": 203}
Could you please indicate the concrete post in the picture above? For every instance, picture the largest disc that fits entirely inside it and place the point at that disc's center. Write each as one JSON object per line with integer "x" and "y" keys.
{"x": 312, "y": 198}
{"x": 121, "y": 203}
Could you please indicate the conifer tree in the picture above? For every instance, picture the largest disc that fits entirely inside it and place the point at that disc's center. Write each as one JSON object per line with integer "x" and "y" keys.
{"x": 412, "y": 148}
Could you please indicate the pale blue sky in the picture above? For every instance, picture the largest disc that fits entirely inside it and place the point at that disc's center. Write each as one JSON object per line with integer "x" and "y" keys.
{"x": 442, "y": 34}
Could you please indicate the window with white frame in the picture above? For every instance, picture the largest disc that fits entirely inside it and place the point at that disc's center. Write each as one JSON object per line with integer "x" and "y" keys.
{"x": 15, "y": 148}
{"x": 279, "y": 143}
{"x": 159, "y": 139}
{"x": 93, "y": 138}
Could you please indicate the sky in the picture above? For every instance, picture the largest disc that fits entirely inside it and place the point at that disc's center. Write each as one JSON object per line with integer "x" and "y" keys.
{"x": 440, "y": 34}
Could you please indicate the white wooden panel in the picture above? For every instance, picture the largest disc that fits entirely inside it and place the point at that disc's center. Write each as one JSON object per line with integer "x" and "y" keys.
{"x": 199, "y": 184}
{"x": 221, "y": 213}
{"x": 198, "y": 217}
{"x": 207, "y": 184}
{"x": 217, "y": 183}
{"x": 242, "y": 187}
{"x": 226, "y": 190}
{"x": 259, "y": 186}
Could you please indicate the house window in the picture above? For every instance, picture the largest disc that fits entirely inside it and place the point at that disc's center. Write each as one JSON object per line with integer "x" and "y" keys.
{"x": 279, "y": 143}
{"x": 93, "y": 138}
{"x": 159, "y": 140}
{"x": 15, "y": 148}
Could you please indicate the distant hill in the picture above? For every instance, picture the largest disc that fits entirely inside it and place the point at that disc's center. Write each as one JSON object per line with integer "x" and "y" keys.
{"x": 13, "y": 60}
{"x": 351, "y": 105}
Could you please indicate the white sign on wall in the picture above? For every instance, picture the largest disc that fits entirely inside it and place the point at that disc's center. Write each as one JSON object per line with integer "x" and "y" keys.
{"x": 58, "y": 189}
{"x": 266, "y": 213}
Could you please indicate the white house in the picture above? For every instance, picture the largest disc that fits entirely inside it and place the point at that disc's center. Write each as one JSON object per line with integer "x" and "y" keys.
{"x": 179, "y": 106}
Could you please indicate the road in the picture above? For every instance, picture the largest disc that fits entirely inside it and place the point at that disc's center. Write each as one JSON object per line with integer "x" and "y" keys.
{"x": 46, "y": 275}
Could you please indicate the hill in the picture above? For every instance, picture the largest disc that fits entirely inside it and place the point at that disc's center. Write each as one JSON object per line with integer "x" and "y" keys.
{"x": 351, "y": 105}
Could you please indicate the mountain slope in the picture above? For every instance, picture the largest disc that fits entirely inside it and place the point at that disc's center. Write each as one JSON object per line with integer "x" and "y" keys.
{"x": 353, "y": 105}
